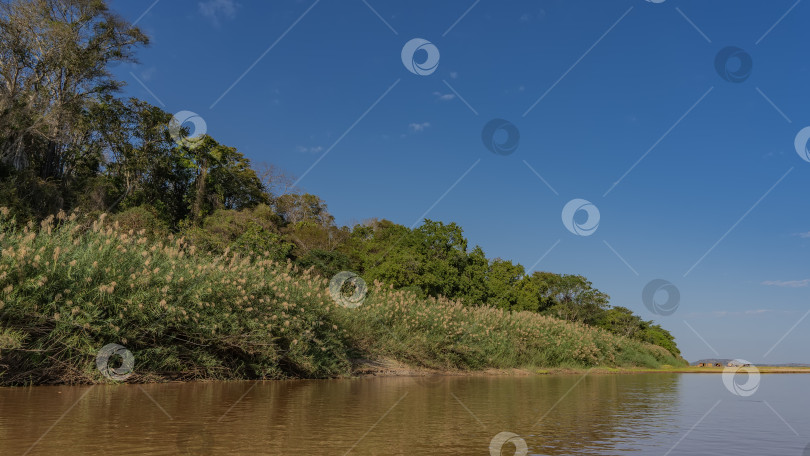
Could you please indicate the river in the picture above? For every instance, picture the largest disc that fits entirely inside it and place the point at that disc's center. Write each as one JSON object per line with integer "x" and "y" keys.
{"x": 656, "y": 414}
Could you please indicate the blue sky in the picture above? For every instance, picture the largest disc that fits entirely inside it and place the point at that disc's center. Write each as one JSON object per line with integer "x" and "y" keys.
{"x": 716, "y": 204}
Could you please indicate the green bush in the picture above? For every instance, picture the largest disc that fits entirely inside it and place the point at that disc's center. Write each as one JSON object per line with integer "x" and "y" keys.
{"x": 247, "y": 232}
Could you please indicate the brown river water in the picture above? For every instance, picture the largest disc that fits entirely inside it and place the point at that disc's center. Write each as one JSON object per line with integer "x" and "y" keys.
{"x": 656, "y": 414}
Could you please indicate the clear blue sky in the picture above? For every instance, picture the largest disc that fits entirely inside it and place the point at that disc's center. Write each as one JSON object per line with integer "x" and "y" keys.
{"x": 617, "y": 77}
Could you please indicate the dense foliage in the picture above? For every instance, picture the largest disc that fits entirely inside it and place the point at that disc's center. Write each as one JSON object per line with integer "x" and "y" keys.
{"x": 68, "y": 142}
{"x": 74, "y": 284}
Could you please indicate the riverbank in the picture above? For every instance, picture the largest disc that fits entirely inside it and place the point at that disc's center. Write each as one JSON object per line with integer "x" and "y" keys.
{"x": 392, "y": 368}
{"x": 95, "y": 303}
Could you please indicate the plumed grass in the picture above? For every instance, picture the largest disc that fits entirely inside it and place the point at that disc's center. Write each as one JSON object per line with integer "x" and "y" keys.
{"x": 71, "y": 286}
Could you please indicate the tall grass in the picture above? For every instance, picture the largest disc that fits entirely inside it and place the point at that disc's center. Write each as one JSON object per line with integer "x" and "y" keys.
{"x": 71, "y": 286}
{"x": 443, "y": 334}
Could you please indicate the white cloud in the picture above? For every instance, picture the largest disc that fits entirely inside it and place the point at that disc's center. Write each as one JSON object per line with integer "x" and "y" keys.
{"x": 444, "y": 96}
{"x": 788, "y": 283}
{"x": 757, "y": 312}
{"x": 216, "y": 9}
{"x": 309, "y": 150}
{"x": 804, "y": 235}
{"x": 419, "y": 126}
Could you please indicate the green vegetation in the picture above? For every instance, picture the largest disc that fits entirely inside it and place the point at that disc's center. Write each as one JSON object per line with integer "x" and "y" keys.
{"x": 200, "y": 307}
{"x": 68, "y": 288}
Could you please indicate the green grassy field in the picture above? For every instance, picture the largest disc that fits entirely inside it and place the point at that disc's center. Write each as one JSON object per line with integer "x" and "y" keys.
{"x": 70, "y": 287}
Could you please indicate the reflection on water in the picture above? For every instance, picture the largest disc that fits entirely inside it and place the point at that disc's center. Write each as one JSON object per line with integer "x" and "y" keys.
{"x": 554, "y": 415}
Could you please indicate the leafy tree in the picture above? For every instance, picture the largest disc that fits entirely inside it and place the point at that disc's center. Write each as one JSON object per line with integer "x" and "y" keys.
{"x": 570, "y": 297}
{"x": 143, "y": 163}
{"x": 53, "y": 70}
{"x": 295, "y": 208}
{"x": 504, "y": 280}
{"x": 657, "y": 335}
{"x": 473, "y": 285}
{"x": 223, "y": 178}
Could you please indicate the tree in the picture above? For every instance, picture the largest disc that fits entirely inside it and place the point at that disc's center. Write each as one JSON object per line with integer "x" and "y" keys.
{"x": 294, "y": 208}
{"x": 223, "y": 178}
{"x": 141, "y": 160}
{"x": 503, "y": 282}
{"x": 473, "y": 286}
{"x": 53, "y": 70}
{"x": 622, "y": 321}
{"x": 570, "y": 297}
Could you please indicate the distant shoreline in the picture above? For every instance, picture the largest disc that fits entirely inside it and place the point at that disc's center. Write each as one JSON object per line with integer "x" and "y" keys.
{"x": 433, "y": 376}
{"x": 390, "y": 368}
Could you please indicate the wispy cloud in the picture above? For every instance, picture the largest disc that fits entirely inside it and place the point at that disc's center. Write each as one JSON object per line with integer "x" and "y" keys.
{"x": 216, "y": 9}
{"x": 309, "y": 150}
{"x": 444, "y": 96}
{"x": 804, "y": 235}
{"x": 757, "y": 312}
{"x": 417, "y": 127}
{"x": 787, "y": 283}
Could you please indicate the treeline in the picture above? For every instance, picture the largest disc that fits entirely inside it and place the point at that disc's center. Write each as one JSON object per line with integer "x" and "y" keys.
{"x": 69, "y": 142}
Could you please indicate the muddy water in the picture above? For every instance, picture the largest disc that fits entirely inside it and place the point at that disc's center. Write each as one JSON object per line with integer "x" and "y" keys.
{"x": 657, "y": 414}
